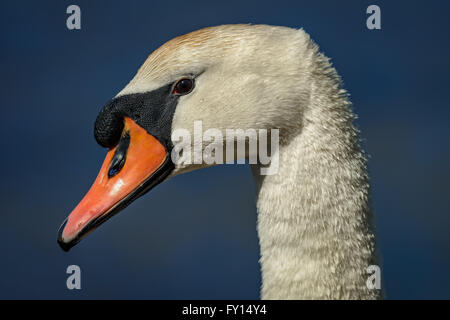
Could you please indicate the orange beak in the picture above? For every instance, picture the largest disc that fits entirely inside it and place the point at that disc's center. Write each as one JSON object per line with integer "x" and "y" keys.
{"x": 134, "y": 166}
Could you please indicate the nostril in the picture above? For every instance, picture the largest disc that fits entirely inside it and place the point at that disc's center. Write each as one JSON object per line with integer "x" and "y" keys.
{"x": 120, "y": 156}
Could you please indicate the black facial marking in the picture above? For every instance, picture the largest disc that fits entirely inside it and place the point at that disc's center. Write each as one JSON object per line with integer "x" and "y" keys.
{"x": 120, "y": 156}
{"x": 152, "y": 110}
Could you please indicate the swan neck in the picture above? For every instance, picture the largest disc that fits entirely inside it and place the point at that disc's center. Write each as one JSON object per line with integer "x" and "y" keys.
{"x": 314, "y": 219}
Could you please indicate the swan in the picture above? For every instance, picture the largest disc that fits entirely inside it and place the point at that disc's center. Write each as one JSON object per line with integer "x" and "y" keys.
{"x": 315, "y": 224}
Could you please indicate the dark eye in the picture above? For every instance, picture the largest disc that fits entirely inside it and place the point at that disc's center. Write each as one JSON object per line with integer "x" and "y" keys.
{"x": 183, "y": 86}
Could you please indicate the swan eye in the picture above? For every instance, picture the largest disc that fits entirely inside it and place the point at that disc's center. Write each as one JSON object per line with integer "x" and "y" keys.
{"x": 183, "y": 86}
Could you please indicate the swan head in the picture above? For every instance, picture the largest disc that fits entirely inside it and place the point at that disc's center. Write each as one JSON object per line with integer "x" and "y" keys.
{"x": 226, "y": 77}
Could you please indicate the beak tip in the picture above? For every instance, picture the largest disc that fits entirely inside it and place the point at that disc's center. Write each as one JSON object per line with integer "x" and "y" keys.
{"x": 64, "y": 245}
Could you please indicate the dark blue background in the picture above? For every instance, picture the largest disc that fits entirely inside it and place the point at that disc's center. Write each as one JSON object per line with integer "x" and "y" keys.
{"x": 195, "y": 236}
